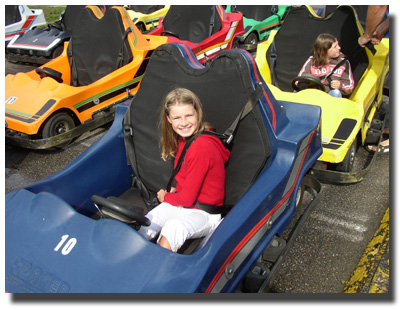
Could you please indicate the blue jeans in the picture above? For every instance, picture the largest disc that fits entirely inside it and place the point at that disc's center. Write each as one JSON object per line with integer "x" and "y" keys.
{"x": 335, "y": 93}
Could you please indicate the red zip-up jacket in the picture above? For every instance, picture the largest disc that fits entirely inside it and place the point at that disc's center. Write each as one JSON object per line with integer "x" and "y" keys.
{"x": 202, "y": 174}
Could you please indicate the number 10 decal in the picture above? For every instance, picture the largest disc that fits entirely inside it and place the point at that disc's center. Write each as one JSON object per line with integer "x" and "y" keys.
{"x": 67, "y": 248}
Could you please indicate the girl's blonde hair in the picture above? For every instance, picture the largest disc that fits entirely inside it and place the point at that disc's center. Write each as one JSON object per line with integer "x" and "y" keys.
{"x": 169, "y": 138}
{"x": 321, "y": 46}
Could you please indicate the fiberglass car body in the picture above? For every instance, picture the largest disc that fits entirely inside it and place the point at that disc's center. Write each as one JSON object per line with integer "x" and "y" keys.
{"x": 258, "y": 21}
{"x": 346, "y": 122}
{"x": 146, "y": 17}
{"x": 53, "y": 237}
{"x": 20, "y": 18}
{"x": 79, "y": 88}
{"x": 205, "y": 29}
{"x": 40, "y": 45}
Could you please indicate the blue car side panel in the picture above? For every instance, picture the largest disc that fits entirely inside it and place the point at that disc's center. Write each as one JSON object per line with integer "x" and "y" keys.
{"x": 253, "y": 233}
{"x": 104, "y": 163}
{"x": 55, "y": 244}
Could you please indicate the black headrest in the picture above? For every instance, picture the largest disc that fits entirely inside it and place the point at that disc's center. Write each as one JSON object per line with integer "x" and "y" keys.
{"x": 256, "y": 12}
{"x": 94, "y": 47}
{"x": 192, "y": 22}
{"x": 12, "y": 14}
{"x": 70, "y": 16}
{"x": 298, "y": 34}
{"x": 360, "y": 9}
{"x": 223, "y": 88}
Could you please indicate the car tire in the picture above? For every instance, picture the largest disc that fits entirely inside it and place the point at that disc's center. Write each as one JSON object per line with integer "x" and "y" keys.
{"x": 252, "y": 38}
{"x": 57, "y": 52}
{"x": 141, "y": 27}
{"x": 58, "y": 124}
{"x": 236, "y": 43}
{"x": 300, "y": 194}
{"x": 348, "y": 162}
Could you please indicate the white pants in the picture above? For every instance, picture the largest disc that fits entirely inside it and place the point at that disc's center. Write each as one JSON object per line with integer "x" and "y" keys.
{"x": 178, "y": 224}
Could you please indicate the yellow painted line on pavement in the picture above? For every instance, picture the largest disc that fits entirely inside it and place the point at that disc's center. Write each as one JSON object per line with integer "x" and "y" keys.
{"x": 371, "y": 275}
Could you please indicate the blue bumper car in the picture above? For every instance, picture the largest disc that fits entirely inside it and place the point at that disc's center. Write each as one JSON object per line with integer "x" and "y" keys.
{"x": 58, "y": 240}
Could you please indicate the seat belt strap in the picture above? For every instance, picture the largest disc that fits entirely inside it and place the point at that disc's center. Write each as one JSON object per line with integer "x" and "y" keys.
{"x": 212, "y": 209}
{"x": 131, "y": 160}
{"x": 254, "y": 97}
{"x": 272, "y": 60}
{"x": 120, "y": 59}
{"x": 212, "y": 21}
{"x": 328, "y": 76}
{"x": 74, "y": 72}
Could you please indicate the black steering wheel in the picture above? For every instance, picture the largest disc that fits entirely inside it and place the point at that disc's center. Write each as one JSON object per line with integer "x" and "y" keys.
{"x": 121, "y": 212}
{"x": 169, "y": 33}
{"x": 312, "y": 82}
{"x": 54, "y": 74}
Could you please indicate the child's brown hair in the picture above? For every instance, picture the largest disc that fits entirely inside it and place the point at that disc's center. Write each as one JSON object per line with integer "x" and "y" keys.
{"x": 321, "y": 46}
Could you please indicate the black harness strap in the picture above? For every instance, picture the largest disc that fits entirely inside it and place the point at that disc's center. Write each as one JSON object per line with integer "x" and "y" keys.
{"x": 254, "y": 97}
{"x": 172, "y": 181}
{"x": 274, "y": 11}
{"x": 272, "y": 60}
{"x": 212, "y": 209}
{"x": 212, "y": 21}
{"x": 74, "y": 72}
{"x": 188, "y": 143}
{"x": 328, "y": 76}
{"x": 120, "y": 60}
{"x": 149, "y": 198}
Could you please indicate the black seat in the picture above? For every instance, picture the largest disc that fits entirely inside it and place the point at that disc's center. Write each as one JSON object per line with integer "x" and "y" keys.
{"x": 361, "y": 10}
{"x": 299, "y": 32}
{"x": 222, "y": 101}
{"x": 12, "y": 14}
{"x": 193, "y": 23}
{"x": 95, "y": 46}
{"x": 52, "y": 37}
{"x": 68, "y": 18}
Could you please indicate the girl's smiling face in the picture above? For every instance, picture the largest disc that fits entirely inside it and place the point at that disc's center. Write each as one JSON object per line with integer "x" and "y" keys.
{"x": 183, "y": 119}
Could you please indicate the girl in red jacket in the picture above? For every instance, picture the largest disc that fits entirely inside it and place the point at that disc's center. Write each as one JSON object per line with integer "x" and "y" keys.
{"x": 325, "y": 57}
{"x": 201, "y": 178}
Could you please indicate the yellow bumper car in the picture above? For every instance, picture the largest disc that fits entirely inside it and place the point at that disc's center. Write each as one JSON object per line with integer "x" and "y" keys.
{"x": 347, "y": 122}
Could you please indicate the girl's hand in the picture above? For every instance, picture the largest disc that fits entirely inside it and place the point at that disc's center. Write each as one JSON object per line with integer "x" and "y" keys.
{"x": 161, "y": 194}
{"x": 335, "y": 84}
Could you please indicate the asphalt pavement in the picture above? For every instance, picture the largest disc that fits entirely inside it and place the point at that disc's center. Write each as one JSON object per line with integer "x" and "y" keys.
{"x": 336, "y": 236}
{"x": 326, "y": 254}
